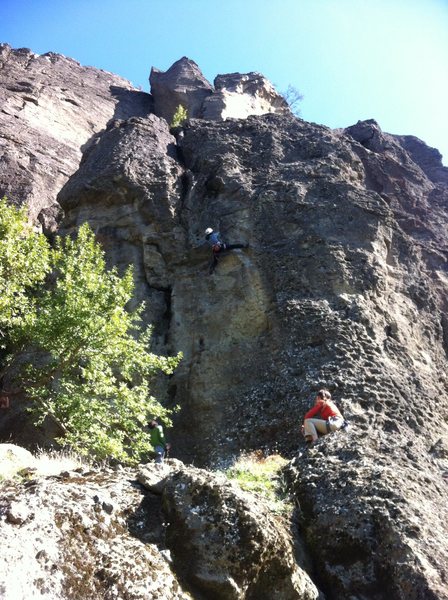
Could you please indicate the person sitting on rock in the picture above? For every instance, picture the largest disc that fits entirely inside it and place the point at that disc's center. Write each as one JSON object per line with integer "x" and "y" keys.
{"x": 213, "y": 239}
{"x": 323, "y": 418}
{"x": 158, "y": 441}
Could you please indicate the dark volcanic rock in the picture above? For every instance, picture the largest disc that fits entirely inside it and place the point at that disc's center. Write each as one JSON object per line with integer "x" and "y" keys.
{"x": 365, "y": 521}
{"x": 51, "y": 107}
{"x": 344, "y": 285}
{"x": 129, "y": 189}
{"x": 429, "y": 159}
{"x": 227, "y": 543}
{"x": 183, "y": 84}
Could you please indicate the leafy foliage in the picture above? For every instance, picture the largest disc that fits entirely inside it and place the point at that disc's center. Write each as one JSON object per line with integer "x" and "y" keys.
{"x": 76, "y": 351}
{"x": 180, "y": 116}
{"x": 24, "y": 263}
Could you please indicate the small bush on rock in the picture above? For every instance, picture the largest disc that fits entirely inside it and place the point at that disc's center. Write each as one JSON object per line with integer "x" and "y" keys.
{"x": 180, "y": 116}
{"x": 293, "y": 97}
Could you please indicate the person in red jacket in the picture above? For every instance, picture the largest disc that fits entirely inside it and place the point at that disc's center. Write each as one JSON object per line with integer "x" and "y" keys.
{"x": 323, "y": 418}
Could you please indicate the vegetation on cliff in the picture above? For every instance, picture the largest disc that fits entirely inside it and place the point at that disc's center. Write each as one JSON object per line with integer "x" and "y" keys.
{"x": 180, "y": 116}
{"x": 263, "y": 476}
{"x": 70, "y": 344}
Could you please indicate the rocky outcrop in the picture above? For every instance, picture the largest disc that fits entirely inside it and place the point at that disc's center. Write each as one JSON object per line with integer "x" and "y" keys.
{"x": 95, "y": 533}
{"x": 235, "y": 96}
{"x": 76, "y": 536}
{"x": 227, "y": 543}
{"x": 344, "y": 285}
{"x": 370, "y": 516}
{"x": 51, "y": 107}
{"x": 129, "y": 189}
{"x": 238, "y": 96}
{"x": 183, "y": 84}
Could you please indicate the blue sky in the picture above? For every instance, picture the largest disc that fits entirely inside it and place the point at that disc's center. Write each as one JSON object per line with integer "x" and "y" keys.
{"x": 352, "y": 59}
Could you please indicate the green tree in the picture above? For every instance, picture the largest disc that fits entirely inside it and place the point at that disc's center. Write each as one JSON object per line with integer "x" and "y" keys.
{"x": 24, "y": 264}
{"x": 180, "y": 116}
{"x": 73, "y": 348}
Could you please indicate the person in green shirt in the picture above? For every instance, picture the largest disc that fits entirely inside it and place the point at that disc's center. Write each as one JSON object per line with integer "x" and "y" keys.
{"x": 158, "y": 441}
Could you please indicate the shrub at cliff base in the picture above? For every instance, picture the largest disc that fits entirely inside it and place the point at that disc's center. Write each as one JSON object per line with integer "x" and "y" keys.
{"x": 69, "y": 344}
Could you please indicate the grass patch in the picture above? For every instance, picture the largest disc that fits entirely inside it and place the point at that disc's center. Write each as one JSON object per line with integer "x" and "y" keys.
{"x": 16, "y": 461}
{"x": 262, "y": 475}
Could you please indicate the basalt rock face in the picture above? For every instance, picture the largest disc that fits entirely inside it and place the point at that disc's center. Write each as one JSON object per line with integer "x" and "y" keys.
{"x": 227, "y": 543}
{"x": 239, "y": 96}
{"x": 51, "y": 107}
{"x": 344, "y": 285}
{"x": 101, "y": 534}
{"x": 129, "y": 188}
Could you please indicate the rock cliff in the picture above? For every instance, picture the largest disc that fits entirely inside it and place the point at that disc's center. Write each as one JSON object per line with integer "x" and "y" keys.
{"x": 51, "y": 107}
{"x": 344, "y": 285}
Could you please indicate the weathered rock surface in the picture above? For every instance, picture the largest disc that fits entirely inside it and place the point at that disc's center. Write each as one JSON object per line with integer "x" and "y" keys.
{"x": 182, "y": 84}
{"x": 344, "y": 285}
{"x": 76, "y": 536}
{"x": 370, "y": 517}
{"x": 51, "y": 107}
{"x": 227, "y": 543}
{"x": 235, "y": 96}
{"x": 13, "y": 458}
{"x": 99, "y": 534}
{"x": 129, "y": 189}
{"x": 238, "y": 96}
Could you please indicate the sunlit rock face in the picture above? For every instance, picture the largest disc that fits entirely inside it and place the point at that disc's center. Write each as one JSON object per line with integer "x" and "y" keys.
{"x": 164, "y": 531}
{"x": 235, "y": 96}
{"x": 344, "y": 285}
{"x": 238, "y": 96}
{"x": 183, "y": 84}
{"x": 51, "y": 106}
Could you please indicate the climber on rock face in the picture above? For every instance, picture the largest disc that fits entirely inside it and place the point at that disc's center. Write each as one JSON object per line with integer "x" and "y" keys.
{"x": 213, "y": 239}
{"x": 323, "y": 418}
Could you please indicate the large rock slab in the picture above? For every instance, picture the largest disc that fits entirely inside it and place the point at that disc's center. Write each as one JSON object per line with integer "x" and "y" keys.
{"x": 87, "y": 534}
{"x": 51, "y": 107}
{"x": 227, "y": 543}
{"x": 370, "y": 516}
{"x": 129, "y": 189}
{"x": 95, "y": 533}
{"x": 238, "y": 96}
